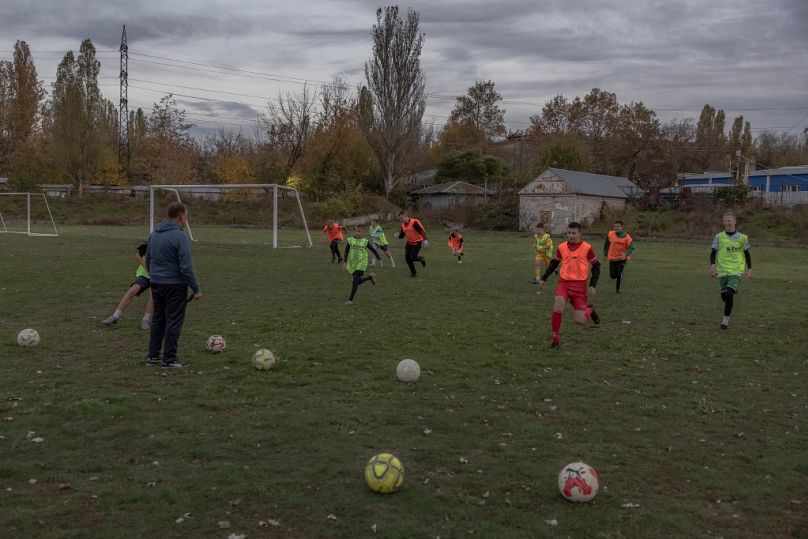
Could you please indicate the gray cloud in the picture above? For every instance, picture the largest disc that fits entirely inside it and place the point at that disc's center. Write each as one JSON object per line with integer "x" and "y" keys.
{"x": 682, "y": 54}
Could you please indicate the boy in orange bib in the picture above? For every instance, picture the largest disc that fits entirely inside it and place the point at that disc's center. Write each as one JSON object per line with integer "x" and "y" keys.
{"x": 456, "y": 243}
{"x": 574, "y": 256}
{"x": 618, "y": 249}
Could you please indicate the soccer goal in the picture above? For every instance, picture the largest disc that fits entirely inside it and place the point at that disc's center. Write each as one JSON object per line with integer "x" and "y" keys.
{"x": 254, "y": 205}
{"x": 26, "y": 213}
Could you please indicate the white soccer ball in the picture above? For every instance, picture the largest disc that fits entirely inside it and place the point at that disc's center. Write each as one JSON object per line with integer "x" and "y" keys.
{"x": 28, "y": 337}
{"x": 216, "y": 344}
{"x": 578, "y": 482}
{"x": 408, "y": 370}
{"x": 263, "y": 359}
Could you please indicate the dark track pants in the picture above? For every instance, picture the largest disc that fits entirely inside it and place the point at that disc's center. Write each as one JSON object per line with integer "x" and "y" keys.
{"x": 616, "y": 268}
{"x": 170, "y": 301}
{"x": 411, "y": 251}
{"x": 358, "y": 278}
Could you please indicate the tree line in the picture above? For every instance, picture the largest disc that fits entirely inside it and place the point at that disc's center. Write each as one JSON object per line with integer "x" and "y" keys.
{"x": 339, "y": 141}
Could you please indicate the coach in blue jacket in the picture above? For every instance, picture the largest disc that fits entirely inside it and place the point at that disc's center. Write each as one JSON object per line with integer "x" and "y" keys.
{"x": 168, "y": 259}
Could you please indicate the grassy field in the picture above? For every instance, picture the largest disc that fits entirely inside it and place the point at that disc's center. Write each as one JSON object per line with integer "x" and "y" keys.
{"x": 703, "y": 434}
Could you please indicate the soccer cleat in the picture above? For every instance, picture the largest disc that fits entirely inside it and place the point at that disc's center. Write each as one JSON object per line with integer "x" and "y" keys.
{"x": 173, "y": 364}
{"x": 373, "y": 278}
{"x": 423, "y": 261}
{"x": 349, "y": 302}
{"x": 145, "y": 325}
{"x": 555, "y": 345}
{"x": 724, "y": 327}
{"x": 153, "y": 360}
{"x": 109, "y": 321}
{"x": 594, "y": 316}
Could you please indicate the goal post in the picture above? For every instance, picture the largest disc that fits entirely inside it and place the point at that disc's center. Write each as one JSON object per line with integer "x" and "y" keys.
{"x": 22, "y": 205}
{"x": 222, "y": 188}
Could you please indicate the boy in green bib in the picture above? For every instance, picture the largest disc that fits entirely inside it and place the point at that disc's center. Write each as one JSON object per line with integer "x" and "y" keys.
{"x": 379, "y": 241}
{"x": 141, "y": 284}
{"x": 728, "y": 258}
{"x": 356, "y": 260}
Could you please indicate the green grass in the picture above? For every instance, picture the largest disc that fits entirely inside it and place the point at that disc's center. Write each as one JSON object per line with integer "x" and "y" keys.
{"x": 706, "y": 432}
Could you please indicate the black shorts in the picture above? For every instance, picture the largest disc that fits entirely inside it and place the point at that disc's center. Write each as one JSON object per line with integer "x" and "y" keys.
{"x": 143, "y": 283}
{"x": 616, "y": 268}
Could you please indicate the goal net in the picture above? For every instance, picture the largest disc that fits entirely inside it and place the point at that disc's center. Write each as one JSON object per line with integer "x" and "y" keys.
{"x": 26, "y": 213}
{"x": 235, "y": 212}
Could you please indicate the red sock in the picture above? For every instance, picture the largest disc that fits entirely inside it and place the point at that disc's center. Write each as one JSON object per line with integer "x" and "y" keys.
{"x": 588, "y": 312}
{"x": 556, "y": 318}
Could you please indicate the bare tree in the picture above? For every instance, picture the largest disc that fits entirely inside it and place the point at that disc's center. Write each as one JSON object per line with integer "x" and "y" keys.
{"x": 338, "y": 103}
{"x": 392, "y": 105}
{"x": 288, "y": 122}
{"x": 480, "y": 107}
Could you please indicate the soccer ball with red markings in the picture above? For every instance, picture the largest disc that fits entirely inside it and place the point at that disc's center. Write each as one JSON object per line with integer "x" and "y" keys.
{"x": 216, "y": 344}
{"x": 578, "y": 482}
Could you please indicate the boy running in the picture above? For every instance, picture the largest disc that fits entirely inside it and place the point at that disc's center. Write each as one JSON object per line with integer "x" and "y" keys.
{"x": 333, "y": 234}
{"x": 379, "y": 241}
{"x": 141, "y": 284}
{"x": 729, "y": 255}
{"x": 543, "y": 244}
{"x": 618, "y": 248}
{"x": 414, "y": 231}
{"x": 356, "y": 260}
{"x": 456, "y": 243}
{"x": 574, "y": 256}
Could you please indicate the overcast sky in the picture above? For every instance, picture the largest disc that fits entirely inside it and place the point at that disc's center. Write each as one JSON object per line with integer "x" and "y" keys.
{"x": 747, "y": 57}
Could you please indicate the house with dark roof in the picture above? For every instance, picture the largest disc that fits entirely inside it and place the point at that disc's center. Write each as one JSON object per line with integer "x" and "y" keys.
{"x": 445, "y": 195}
{"x": 558, "y": 197}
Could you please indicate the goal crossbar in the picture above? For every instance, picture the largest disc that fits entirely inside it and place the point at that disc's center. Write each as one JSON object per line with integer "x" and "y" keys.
{"x": 228, "y": 187}
{"x": 28, "y": 231}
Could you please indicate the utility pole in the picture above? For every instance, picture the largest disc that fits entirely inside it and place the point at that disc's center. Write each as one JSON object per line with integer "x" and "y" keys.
{"x": 123, "y": 109}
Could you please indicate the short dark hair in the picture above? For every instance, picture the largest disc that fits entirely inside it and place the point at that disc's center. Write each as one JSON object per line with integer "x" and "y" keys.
{"x": 619, "y": 222}
{"x": 539, "y": 224}
{"x": 575, "y": 224}
{"x": 175, "y": 209}
{"x": 402, "y": 212}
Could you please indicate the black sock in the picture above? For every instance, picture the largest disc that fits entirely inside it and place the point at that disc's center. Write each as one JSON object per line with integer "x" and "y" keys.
{"x": 729, "y": 297}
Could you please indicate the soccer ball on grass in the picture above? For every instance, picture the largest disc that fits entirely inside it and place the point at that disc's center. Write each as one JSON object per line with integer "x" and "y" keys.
{"x": 578, "y": 482}
{"x": 408, "y": 370}
{"x": 216, "y": 344}
{"x": 384, "y": 473}
{"x": 263, "y": 359}
{"x": 28, "y": 337}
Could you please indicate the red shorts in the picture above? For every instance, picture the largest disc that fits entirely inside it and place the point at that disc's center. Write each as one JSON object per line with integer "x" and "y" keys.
{"x": 574, "y": 292}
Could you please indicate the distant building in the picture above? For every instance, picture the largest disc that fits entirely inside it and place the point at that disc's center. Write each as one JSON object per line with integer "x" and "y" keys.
{"x": 61, "y": 190}
{"x": 558, "y": 197}
{"x": 420, "y": 179}
{"x": 446, "y": 195}
{"x": 784, "y": 186}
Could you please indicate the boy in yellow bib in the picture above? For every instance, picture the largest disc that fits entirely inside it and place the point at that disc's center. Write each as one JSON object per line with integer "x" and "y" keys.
{"x": 728, "y": 258}
{"x": 543, "y": 244}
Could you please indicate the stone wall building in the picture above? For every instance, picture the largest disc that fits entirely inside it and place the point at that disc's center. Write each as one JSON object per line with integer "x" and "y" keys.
{"x": 557, "y": 197}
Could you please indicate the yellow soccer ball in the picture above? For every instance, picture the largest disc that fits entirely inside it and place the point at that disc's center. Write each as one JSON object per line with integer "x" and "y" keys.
{"x": 263, "y": 359}
{"x": 384, "y": 473}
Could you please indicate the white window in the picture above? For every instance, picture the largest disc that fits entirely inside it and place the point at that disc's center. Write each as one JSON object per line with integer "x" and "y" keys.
{"x": 791, "y": 188}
